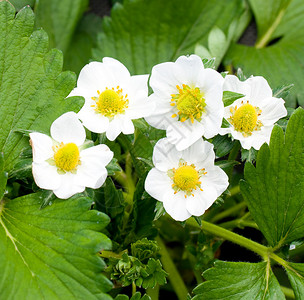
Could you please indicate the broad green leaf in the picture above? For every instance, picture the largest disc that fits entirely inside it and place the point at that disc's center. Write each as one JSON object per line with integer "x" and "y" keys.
{"x": 143, "y": 33}
{"x": 295, "y": 272}
{"x": 59, "y": 19}
{"x": 238, "y": 280}
{"x": 84, "y": 39}
{"x": 268, "y": 15}
{"x": 274, "y": 188}
{"x": 32, "y": 87}
{"x": 222, "y": 145}
{"x": 3, "y": 176}
{"x": 281, "y": 63}
{"x": 51, "y": 253}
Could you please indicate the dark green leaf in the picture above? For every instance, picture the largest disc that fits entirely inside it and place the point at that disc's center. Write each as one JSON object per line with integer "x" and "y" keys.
{"x": 237, "y": 280}
{"x": 3, "y": 177}
{"x": 249, "y": 155}
{"x": 295, "y": 272}
{"x": 143, "y": 33}
{"x": 274, "y": 188}
{"x": 222, "y": 145}
{"x": 59, "y": 19}
{"x": 32, "y": 87}
{"x": 51, "y": 253}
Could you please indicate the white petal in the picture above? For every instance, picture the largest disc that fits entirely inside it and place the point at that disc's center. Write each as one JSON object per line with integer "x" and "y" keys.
{"x": 92, "y": 120}
{"x": 216, "y": 178}
{"x": 165, "y": 155}
{"x": 68, "y": 129}
{"x": 42, "y": 146}
{"x": 201, "y": 201}
{"x": 139, "y": 83}
{"x": 90, "y": 175}
{"x": 93, "y": 76}
{"x": 273, "y": 109}
{"x": 118, "y": 71}
{"x": 114, "y": 129}
{"x": 187, "y": 69}
{"x": 127, "y": 126}
{"x": 184, "y": 134}
{"x": 100, "y": 154}
{"x": 211, "y": 82}
{"x": 157, "y": 183}
{"x": 160, "y": 121}
{"x": 163, "y": 79}
{"x": 140, "y": 108}
{"x": 260, "y": 88}
{"x": 68, "y": 186}
{"x": 46, "y": 176}
{"x": 175, "y": 205}
{"x": 200, "y": 152}
{"x": 233, "y": 84}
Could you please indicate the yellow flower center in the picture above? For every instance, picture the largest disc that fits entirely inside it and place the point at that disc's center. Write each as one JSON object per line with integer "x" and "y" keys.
{"x": 111, "y": 102}
{"x": 245, "y": 118}
{"x": 186, "y": 178}
{"x": 67, "y": 157}
{"x": 190, "y": 103}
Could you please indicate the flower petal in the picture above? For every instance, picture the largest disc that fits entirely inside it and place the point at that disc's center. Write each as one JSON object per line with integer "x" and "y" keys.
{"x": 233, "y": 84}
{"x": 260, "y": 89}
{"x": 165, "y": 155}
{"x": 92, "y": 120}
{"x": 68, "y": 186}
{"x": 42, "y": 147}
{"x": 46, "y": 176}
{"x": 175, "y": 205}
{"x": 114, "y": 129}
{"x": 157, "y": 183}
{"x": 127, "y": 126}
{"x": 68, "y": 129}
{"x": 184, "y": 134}
{"x": 160, "y": 121}
{"x": 273, "y": 109}
{"x": 118, "y": 71}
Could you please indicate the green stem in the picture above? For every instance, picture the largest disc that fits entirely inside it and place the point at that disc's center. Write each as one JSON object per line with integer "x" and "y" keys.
{"x": 240, "y": 223}
{"x": 153, "y": 292}
{"x": 133, "y": 288}
{"x": 110, "y": 254}
{"x": 288, "y": 292}
{"x": 261, "y": 250}
{"x": 228, "y": 212}
{"x": 174, "y": 276}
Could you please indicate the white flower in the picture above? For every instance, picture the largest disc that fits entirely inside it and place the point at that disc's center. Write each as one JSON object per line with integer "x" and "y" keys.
{"x": 187, "y": 182}
{"x": 188, "y": 100}
{"x": 61, "y": 163}
{"x": 112, "y": 97}
{"x": 252, "y": 117}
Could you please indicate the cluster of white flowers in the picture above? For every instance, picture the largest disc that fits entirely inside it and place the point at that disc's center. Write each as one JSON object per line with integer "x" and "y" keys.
{"x": 186, "y": 102}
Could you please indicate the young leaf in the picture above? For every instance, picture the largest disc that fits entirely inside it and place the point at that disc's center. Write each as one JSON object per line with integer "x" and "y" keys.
{"x": 32, "y": 87}
{"x": 144, "y": 33}
{"x": 50, "y": 253}
{"x": 238, "y": 280}
{"x": 274, "y": 188}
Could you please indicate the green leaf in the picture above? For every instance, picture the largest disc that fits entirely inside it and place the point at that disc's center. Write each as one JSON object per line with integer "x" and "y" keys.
{"x": 143, "y": 33}
{"x": 222, "y": 144}
{"x": 274, "y": 188}
{"x": 295, "y": 272}
{"x": 3, "y": 176}
{"x": 51, "y": 253}
{"x": 59, "y": 19}
{"x": 230, "y": 97}
{"x": 84, "y": 39}
{"x": 19, "y": 4}
{"x": 249, "y": 155}
{"x": 32, "y": 87}
{"x": 286, "y": 54}
{"x": 238, "y": 280}
{"x": 268, "y": 15}
{"x": 225, "y": 164}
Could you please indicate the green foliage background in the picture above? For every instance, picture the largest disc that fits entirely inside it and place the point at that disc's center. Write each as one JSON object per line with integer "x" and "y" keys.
{"x": 52, "y": 253}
